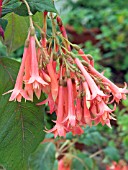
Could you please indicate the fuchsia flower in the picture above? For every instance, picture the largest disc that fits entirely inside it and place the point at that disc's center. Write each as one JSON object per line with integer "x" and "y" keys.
{"x": 118, "y": 93}
{"x": 28, "y": 87}
{"x": 35, "y": 79}
{"x": 95, "y": 91}
{"x": 59, "y": 129}
{"x": 18, "y": 92}
{"x": 71, "y": 116}
{"x": 54, "y": 82}
{"x": 102, "y": 113}
{"x": 121, "y": 165}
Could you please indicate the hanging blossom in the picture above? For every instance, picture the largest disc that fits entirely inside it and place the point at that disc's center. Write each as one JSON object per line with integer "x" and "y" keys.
{"x": 76, "y": 92}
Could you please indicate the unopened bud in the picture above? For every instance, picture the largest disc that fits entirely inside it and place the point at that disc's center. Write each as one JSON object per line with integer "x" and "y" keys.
{"x": 89, "y": 57}
{"x": 85, "y": 63}
{"x": 77, "y": 48}
{"x": 32, "y": 31}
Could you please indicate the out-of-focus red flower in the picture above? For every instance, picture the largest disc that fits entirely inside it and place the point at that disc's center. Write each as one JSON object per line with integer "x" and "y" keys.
{"x": 121, "y": 165}
{"x": 64, "y": 163}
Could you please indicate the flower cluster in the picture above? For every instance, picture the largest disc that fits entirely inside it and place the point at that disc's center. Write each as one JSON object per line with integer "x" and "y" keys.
{"x": 77, "y": 92}
{"x": 118, "y": 166}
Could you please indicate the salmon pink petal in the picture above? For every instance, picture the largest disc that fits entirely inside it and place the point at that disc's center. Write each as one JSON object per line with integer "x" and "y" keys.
{"x": 24, "y": 94}
{"x": 46, "y": 77}
{"x": 29, "y": 90}
{"x": 77, "y": 130}
{"x": 58, "y": 130}
{"x": 14, "y": 94}
{"x": 43, "y": 102}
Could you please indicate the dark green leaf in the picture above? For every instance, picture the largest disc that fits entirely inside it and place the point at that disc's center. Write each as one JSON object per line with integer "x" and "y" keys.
{"x": 91, "y": 137}
{"x": 82, "y": 163}
{"x": 3, "y": 23}
{"x": 43, "y": 5}
{"x": 21, "y": 124}
{"x": 55, "y": 167}
{"x": 10, "y": 6}
{"x": 22, "y": 10}
{"x": 43, "y": 158}
{"x": 112, "y": 153}
{"x": 36, "y": 6}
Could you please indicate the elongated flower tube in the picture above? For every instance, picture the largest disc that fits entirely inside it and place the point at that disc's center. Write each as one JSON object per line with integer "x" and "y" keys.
{"x": 81, "y": 52}
{"x": 71, "y": 117}
{"x": 54, "y": 82}
{"x": 118, "y": 93}
{"x": 87, "y": 115}
{"x": 18, "y": 92}
{"x": 28, "y": 87}
{"x": 95, "y": 91}
{"x": 35, "y": 79}
{"x": 59, "y": 129}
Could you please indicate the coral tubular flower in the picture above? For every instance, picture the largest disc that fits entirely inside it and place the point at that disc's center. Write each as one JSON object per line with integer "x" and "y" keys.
{"x": 118, "y": 93}
{"x": 95, "y": 91}
{"x": 28, "y": 87}
{"x": 59, "y": 129}
{"x": 71, "y": 117}
{"x": 18, "y": 92}
{"x": 54, "y": 82}
{"x": 104, "y": 113}
{"x": 81, "y": 53}
{"x": 35, "y": 79}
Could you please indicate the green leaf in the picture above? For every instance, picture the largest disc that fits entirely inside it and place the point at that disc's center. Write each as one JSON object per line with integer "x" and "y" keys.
{"x": 21, "y": 124}
{"x": 42, "y": 5}
{"x": 91, "y": 137}
{"x": 10, "y": 6}
{"x": 36, "y": 6}
{"x": 3, "y": 23}
{"x": 112, "y": 153}
{"x": 55, "y": 167}
{"x": 16, "y": 31}
{"x": 43, "y": 158}
{"x": 82, "y": 163}
{"x": 126, "y": 156}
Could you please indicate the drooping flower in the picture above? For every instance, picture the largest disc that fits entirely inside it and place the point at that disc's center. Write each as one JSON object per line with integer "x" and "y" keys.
{"x": 59, "y": 129}
{"x": 18, "y": 92}
{"x": 35, "y": 79}
{"x": 95, "y": 91}
{"x": 121, "y": 165}
{"x": 71, "y": 116}
{"x": 118, "y": 93}
{"x": 54, "y": 81}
